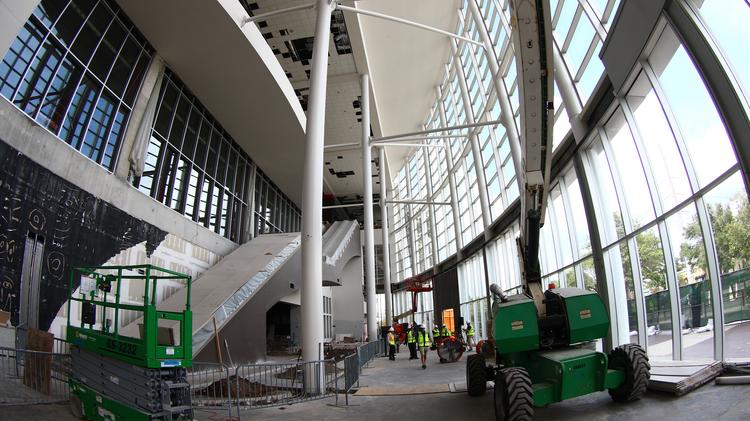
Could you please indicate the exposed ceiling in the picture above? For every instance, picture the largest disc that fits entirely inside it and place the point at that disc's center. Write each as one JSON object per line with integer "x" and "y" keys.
{"x": 290, "y": 37}
{"x": 196, "y": 36}
{"x": 404, "y": 64}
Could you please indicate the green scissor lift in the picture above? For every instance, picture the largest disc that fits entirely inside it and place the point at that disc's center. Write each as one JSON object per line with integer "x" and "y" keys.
{"x": 137, "y": 373}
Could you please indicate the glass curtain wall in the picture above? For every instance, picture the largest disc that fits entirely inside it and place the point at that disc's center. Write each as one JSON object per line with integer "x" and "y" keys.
{"x": 666, "y": 189}
{"x": 194, "y": 167}
{"x": 473, "y": 296}
{"x": 76, "y": 68}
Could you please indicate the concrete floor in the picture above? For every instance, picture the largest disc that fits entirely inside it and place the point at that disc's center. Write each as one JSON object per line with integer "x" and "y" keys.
{"x": 710, "y": 402}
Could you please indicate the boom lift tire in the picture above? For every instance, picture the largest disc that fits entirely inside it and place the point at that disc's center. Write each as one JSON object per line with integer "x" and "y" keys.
{"x": 632, "y": 359}
{"x": 476, "y": 380}
{"x": 514, "y": 395}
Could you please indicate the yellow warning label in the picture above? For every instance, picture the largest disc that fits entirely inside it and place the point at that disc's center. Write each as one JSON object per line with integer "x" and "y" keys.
{"x": 585, "y": 313}
{"x": 516, "y": 325}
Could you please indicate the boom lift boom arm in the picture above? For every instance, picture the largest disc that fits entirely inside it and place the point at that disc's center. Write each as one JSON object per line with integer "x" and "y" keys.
{"x": 532, "y": 41}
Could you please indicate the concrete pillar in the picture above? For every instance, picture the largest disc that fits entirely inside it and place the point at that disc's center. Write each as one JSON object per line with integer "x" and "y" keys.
{"x": 312, "y": 200}
{"x": 149, "y": 93}
{"x": 13, "y": 16}
{"x": 372, "y": 326}
{"x": 385, "y": 232}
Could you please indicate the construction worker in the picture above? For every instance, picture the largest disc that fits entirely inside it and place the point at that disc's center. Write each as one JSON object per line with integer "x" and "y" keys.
{"x": 391, "y": 345}
{"x": 423, "y": 341}
{"x": 436, "y": 333}
{"x": 469, "y": 334}
{"x": 411, "y": 341}
{"x": 444, "y": 332}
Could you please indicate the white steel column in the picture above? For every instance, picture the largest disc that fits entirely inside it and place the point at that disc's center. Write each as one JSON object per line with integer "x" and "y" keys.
{"x": 451, "y": 181}
{"x": 372, "y": 327}
{"x": 386, "y": 244}
{"x": 484, "y": 201}
{"x": 569, "y": 96}
{"x": 312, "y": 200}
{"x": 506, "y": 111}
{"x": 431, "y": 209}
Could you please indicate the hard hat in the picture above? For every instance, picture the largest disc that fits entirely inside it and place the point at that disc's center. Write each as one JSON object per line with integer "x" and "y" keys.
{"x": 390, "y": 330}
{"x": 421, "y": 326}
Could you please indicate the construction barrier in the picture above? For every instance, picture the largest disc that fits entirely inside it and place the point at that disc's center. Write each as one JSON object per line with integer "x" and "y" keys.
{"x": 273, "y": 384}
{"x": 211, "y": 388}
{"x": 369, "y": 351}
{"x": 33, "y": 377}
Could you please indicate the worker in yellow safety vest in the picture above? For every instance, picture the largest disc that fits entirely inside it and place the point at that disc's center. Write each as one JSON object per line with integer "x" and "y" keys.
{"x": 469, "y": 334}
{"x": 436, "y": 333}
{"x": 391, "y": 345}
{"x": 411, "y": 341}
{"x": 423, "y": 341}
{"x": 444, "y": 332}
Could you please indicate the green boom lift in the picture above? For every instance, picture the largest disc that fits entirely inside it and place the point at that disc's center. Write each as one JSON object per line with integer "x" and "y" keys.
{"x": 136, "y": 372}
{"x": 544, "y": 349}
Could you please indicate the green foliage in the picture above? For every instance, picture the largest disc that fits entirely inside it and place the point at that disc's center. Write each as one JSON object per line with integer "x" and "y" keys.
{"x": 652, "y": 261}
{"x": 651, "y": 255}
{"x": 731, "y": 234}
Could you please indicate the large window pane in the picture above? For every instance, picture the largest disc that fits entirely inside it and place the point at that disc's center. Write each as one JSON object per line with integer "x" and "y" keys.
{"x": 58, "y": 83}
{"x": 620, "y": 273}
{"x": 18, "y": 58}
{"x": 730, "y": 218}
{"x": 728, "y": 22}
{"x": 700, "y": 126}
{"x": 656, "y": 291}
{"x": 630, "y": 170}
{"x": 666, "y": 162}
{"x": 689, "y": 254}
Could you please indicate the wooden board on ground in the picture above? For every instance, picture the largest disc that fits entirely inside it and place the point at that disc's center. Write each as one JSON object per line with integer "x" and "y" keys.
{"x": 401, "y": 390}
{"x": 38, "y": 367}
{"x": 681, "y": 377}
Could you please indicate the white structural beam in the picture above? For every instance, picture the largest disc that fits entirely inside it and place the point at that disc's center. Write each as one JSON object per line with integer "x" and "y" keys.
{"x": 484, "y": 201}
{"x": 417, "y": 202}
{"x": 431, "y": 209}
{"x": 422, "y": 138}
{"x": 569, "y": 97}
{"x": 451, "y": 182}
{"x": 350, "y": 205}
{"x": 438, "y": 130}
{"x": 369, "y": 261}
{"x": 506, "y": 111}
{"x": 338, "y": 146}
{"x": 312, "y": 202}
{"x": 407, "y": 22}
{"x": 407, "y": 145}
{"x": 385, "y": 234}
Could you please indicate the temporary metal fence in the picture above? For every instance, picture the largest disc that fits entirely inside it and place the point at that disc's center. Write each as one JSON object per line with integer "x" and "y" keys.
{"x": 369, "y": 351}
{"x": 33, "y": 377}
{"x": 42, "y": 377}
{"x": 354, "y": 363}
{"x": 211, "y": 388}
{"x": 273, "y": 384}
{"x": 351, "y": 374}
